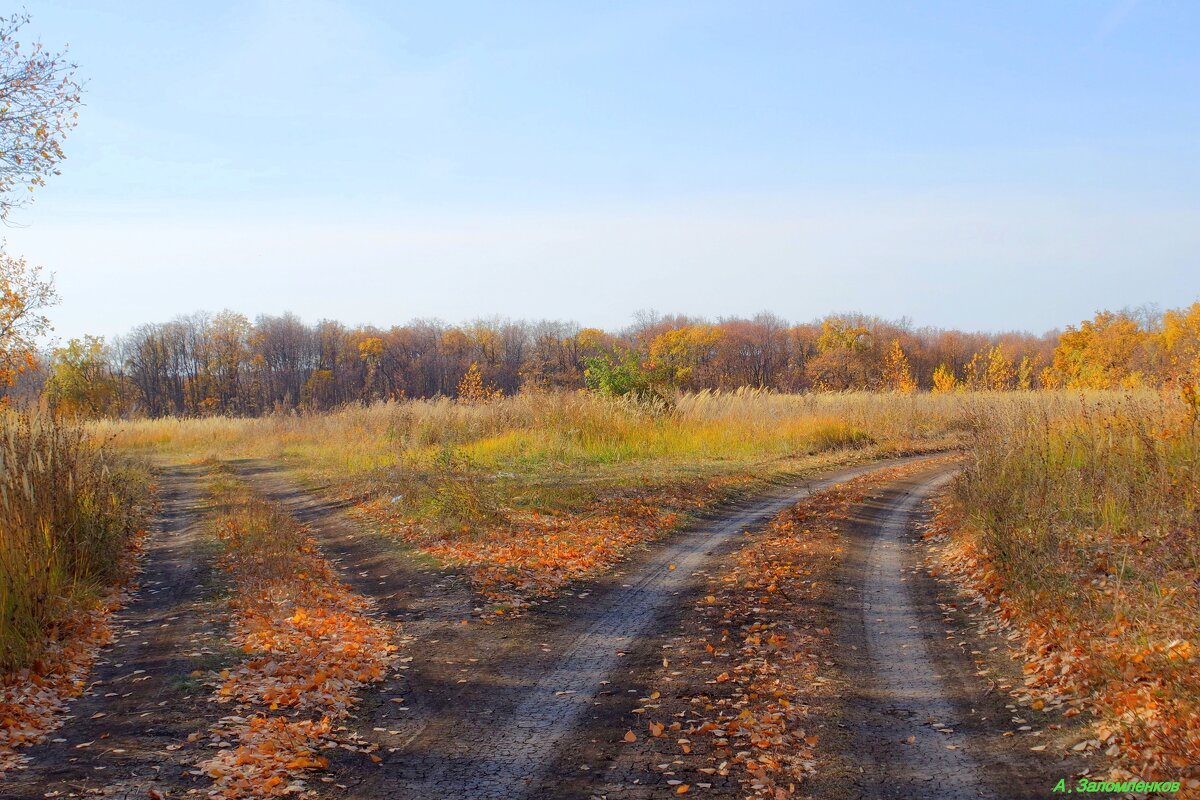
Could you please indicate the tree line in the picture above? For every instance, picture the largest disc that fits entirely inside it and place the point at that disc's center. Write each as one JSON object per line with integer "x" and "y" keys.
{"x": 224, "y": 363}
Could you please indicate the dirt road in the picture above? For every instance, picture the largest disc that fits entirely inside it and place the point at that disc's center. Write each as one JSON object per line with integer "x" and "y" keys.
{"x": 916, "y": 719}
{"x": 535, "y": 707}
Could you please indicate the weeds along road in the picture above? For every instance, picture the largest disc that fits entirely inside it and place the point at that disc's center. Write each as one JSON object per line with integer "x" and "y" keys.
{"x": 122, "y": 736}
{"x": 486, "y": 709}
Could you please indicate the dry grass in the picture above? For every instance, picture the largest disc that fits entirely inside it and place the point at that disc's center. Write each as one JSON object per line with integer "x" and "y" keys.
{"x": 530, "y": 492}
{"x": 69, "y": 515}
{"x": 67, "y": 511}
{"x": 1080, "y": 518}
{"x": 546, "y": 450}
{"x": 574, "y": 429}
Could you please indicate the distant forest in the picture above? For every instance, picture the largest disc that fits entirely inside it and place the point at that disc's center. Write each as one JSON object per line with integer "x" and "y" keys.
{"x": 226, "y": 364}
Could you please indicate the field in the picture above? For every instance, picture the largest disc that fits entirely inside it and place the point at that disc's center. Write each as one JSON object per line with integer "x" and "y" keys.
{"x": 368, "y": 579}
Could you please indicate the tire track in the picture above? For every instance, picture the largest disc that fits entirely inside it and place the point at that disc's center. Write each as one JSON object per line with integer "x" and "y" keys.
{"x": 915, "y": 720}
{"x": 915, "y": 747}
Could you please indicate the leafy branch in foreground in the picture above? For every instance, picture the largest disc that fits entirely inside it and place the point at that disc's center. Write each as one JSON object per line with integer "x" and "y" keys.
{"x": 39, "y": 101}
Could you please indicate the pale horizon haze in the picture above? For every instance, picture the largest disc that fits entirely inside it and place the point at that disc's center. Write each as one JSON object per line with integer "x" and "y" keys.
{"x": 1011, "y": 166}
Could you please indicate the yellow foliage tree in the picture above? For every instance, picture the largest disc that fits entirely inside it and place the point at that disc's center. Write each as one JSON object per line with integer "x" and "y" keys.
{"x": 944, "y": 381}
{"x": 1025, "y": 372}
{"x": 677, "y": 355}
{"x": 975, "y": 373}
{"x": 1000, "y": 375}
{"x": 1101, "y": 353}
{"x": 473, "y": 389}
{"x": 897, "y": 372}
{"x": 1179, "y": 341}
{"x": 81, "y": 383}
{"x": 370, "y": 351}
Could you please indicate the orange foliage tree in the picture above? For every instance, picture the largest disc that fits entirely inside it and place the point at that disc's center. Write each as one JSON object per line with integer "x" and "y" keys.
{"x": 1101, "y": 353}
{"x": 24, "y": 296}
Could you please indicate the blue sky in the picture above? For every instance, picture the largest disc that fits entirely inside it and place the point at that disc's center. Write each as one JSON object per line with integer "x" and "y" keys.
{"x": 975, "y": 165}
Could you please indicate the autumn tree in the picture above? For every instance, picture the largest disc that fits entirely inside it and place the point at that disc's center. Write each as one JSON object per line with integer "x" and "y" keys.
{"x": 370, "y": 351}
{"x": 81, "y": 382}
{"x": 1000, "y": 375}
{"x": 1101, "y": 353}
{"x": 24, "y": 296}
{"x": 897, "y": 372}
{"x": 473, "y": 389}
{"x": 1026, "y": 372}
{"x": 944, "y": 380}
{"x": 1179, "y": 343}
{"x": 38, "y": 101}
{"x": 680, "y": 357}
{"x": 842, "y": 363}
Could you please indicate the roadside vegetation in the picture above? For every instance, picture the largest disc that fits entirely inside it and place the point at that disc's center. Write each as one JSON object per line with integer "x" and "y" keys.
{"x": 70, "y": 518}
{"x": 1078, "y": 519}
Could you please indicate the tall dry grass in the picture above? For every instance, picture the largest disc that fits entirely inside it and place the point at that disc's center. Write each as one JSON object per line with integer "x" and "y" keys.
{"x": 1069, "y": 488}
{"x": 1085, "y": 513}
{"x": 566, "y": 428}
{"x": 67, "y": 509}
{"x": 456, "y": 462}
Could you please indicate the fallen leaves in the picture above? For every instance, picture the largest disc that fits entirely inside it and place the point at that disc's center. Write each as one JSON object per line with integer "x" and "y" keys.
{"x": 1131, "y": 670}
{"x": 33, "y": 699}
{"x": 312, "y": 644}
{"x": 531, "y": 554}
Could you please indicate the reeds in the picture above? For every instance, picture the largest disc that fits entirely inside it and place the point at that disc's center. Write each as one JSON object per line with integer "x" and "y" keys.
{"x": 66, "y": 512}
